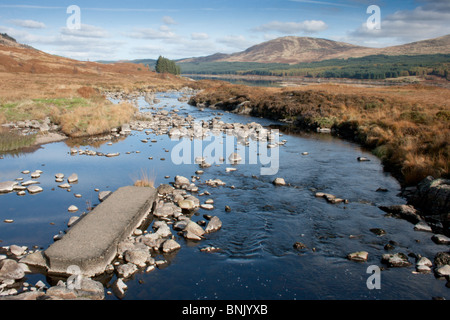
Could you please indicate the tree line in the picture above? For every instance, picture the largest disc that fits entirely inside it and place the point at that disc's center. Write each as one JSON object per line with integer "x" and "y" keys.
{"x": 371, "y": 67}
{"x": 164, "y": 65}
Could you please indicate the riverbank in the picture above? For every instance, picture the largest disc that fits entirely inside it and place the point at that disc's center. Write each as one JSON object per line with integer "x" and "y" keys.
{"x": 406, "y": 127}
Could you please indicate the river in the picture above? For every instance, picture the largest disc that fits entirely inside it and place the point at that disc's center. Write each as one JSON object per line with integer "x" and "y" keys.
{"x": 257, "y": 260}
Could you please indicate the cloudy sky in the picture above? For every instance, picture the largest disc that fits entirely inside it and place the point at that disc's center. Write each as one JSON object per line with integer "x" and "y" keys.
{"x": 136, "y": 29}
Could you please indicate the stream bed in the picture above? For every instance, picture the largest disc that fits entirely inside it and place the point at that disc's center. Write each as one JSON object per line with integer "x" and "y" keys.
{"x": 257, "y": 259}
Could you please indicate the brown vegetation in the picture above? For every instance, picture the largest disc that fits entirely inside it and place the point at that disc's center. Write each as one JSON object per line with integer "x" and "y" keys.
{"x": 407, "y": 127}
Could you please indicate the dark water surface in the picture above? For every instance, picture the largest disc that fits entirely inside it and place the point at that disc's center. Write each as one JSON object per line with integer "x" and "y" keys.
{"x": 257, "y": 259}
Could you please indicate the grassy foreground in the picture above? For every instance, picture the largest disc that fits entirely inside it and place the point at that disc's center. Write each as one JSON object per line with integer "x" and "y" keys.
{"x": 74, "y": 101}
{"x": 407, "y": 127}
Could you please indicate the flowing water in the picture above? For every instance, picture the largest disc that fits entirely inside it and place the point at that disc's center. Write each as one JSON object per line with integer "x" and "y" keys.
{"x": 257, "y": 259}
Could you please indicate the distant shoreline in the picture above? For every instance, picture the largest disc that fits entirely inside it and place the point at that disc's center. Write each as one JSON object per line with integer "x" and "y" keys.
{"x": 289, "y": 81}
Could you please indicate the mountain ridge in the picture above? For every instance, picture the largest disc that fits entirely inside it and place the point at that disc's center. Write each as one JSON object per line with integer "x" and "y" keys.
{"x": 293, "y": 50}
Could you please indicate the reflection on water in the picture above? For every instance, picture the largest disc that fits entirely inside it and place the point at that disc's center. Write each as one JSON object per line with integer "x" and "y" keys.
{"x": 257, "y": 259}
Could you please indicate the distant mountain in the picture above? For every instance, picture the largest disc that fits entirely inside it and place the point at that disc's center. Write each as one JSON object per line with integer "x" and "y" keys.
{"x": 294, "y": 50}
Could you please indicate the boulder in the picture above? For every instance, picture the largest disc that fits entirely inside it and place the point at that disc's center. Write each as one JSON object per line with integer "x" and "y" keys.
{"x": 181, "y": 181}
{"x": 432, "y": 196}
{"x": 139, "y": 257}
{"x": 72, "y": 178}
{"x": 126, "y": 270}
{"x": 406, "y": 212}
{"x": 440, "y": 239}
{"x": 102, "y": 195}
{"x": 279, "y": 182}
{"x": 360, "y": 256}
{"x": 170, "y": 245}
{"x": 194, "y": 228}
{"x": 396, "y": 260}
{"x": 7, "y": 186}
{"x": 10, "y": 269}
{"x": 213, "y": 225}
{"x": 34, "y": 189}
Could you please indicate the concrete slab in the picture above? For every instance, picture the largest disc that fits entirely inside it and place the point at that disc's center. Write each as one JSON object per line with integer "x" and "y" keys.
{"x": 91, "y": 244}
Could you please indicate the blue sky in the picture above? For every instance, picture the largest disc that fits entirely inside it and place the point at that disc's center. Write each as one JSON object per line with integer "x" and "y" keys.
{"x": 134, "y": 29}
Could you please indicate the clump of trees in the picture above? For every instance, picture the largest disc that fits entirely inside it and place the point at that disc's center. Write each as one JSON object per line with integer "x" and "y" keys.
{"x": 164, "y": 65}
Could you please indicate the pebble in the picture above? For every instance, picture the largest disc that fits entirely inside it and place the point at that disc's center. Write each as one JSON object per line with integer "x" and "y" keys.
{"x": 72, "y": 208}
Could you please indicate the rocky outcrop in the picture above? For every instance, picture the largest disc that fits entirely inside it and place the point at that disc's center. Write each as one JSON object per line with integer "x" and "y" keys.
{"x": 432, "y": 196}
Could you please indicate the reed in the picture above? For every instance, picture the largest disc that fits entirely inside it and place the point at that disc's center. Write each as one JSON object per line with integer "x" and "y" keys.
{"x": 11, "y": 141}
{"x": 145, "y": 179}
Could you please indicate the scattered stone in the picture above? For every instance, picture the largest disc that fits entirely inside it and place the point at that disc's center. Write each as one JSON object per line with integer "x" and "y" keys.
{"x": 207, "y": 206}
{"x": 210, "y": 249}
{"x": 279, "y": 182}
{"x": 10, "y": 269}
{"x": 72, "y": 208}
{"x": 34, "y": 189}
{"x": 186, "y": 204}
{"x": 72, "y": 221}
{"x": 378, "y": 231}
{"x": 363, "y": 159}
{"x": 442, "y": 258}
{"x": 126, "y": 270}
{"x": 119, "y": 287}
{"x": 440, "y": 239}
{"x": 299, "y": 246}
{"x": 170, "y": 246}
{"x": 227, "y": 208}
{"x": 396, "y": 260}
{"x": 7, "y": 186}
{"x": 72, "y": 178}
{"x": 422, "y": 226}
{"x": 59, "y": 176}
{"x": 29, "y": 183}
{"x": 213, "y": 225}
{"x": 406, "y": 212}
{"x": 443, "y": 271}
{"x": 17, "y": 250}
{"x": 360, "y": 256}
{"x": 64, "y": 186}
{"x": 102, "y": 195}
{"x": 138, "y": 257}
{"x": 35, "y": 175}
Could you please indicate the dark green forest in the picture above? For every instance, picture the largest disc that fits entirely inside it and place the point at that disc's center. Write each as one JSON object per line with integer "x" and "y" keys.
{"x": 370, "y": 67}
{"x": 164, "y": 65}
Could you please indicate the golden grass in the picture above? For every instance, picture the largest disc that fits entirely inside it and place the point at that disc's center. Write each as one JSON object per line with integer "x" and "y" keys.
{"x": 145, "y": 179}
{"x": 407, "y": 127}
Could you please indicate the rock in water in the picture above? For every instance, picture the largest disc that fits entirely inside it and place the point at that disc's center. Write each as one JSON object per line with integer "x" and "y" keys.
{"x": 10, "y": 269}
{"x": 34, "y": 189}
{"x": 170, "y": 245}
{"x": 73, "y": 178}
{"x": 360, "y": 256}
{"x": 7, "y": 186}
{"x": 279, "y": 182}
{"x": 213, "y": 225}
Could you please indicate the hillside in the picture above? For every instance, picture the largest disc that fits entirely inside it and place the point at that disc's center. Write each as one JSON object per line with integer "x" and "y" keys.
{"x": 16, "y": 57}
{"x": 294, "y": 50}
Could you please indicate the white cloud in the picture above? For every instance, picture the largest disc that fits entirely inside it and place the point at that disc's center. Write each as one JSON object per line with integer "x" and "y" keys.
{"x": 423, "y": 22}
{"x": 235, "y": 42}
{"x": 307, "y": 26}
{"x": 86, "y": 31}
{"x": 31, "y": 24}
{"x": 199, "y": 36}
{"x": 168, "y": 20}
{"x": 149, "y": 33}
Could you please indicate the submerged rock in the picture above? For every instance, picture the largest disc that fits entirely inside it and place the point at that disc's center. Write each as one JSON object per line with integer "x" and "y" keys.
{"x": 360, "y": 256}
{"x": 7, "y": 186}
